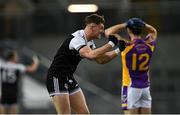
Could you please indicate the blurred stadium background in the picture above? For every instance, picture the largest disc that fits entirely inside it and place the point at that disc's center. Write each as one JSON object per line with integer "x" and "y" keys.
{"x": 39, "y": 26}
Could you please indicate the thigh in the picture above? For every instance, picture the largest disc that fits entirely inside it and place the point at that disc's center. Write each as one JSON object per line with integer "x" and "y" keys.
{"x": 133, "y": 111}
{"x": 73, "y": 85}
{"x": 13, "y": 110}
{"x": 146, "y": 98}
{"x": 145, "y": 111}
{"x": 133, "y": 99}
{"x": 8, "y": 109}
{"x": 9, "y": 103}
{"x": 57, "y": 84}
{"x": 62, "y": 104}
{"x": 78, "y": 103}
{"x": 2, "y": 110}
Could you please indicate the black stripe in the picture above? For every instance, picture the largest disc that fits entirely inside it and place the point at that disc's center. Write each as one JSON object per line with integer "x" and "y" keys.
{"x": 81, "y": 47}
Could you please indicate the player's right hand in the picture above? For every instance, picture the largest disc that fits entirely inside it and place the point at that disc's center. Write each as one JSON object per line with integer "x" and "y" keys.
{"x": 113, "y": 39}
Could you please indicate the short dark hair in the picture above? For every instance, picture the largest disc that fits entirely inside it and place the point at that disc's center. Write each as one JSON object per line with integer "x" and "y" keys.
{"x": 94, "y": 18}
{"x": 136, "y": 25}
{"x": 9, "y": 55}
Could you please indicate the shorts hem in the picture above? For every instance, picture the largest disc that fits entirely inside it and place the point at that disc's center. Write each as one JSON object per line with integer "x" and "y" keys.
{"x": 137, "y": 107}
{"x": 58, "y": 93}
{"x": 75, "y": 91}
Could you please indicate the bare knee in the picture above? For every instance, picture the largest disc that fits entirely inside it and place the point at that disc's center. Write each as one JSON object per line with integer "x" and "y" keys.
{"x": 133, "y": 111}
{"x": 145, "y": 110}
{"x": 64, "y": 111}
{"x": 82, "y": 111}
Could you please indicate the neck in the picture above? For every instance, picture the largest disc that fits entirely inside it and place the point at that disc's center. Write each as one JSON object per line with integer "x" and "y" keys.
{"x": 87, "y": 35}
{"x": 132, "y": 36}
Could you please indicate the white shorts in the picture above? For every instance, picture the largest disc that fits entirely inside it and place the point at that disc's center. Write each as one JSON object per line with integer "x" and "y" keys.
{"x": 138, "y": 98}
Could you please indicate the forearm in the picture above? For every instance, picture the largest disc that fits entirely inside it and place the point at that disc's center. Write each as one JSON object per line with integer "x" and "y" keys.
{"x": 93, "y": 54}
{"x": 99, "y": 51}
{"x": 34, "y": 65}
{"x": 114, "y": 29}
{"x": 108, "y": 56}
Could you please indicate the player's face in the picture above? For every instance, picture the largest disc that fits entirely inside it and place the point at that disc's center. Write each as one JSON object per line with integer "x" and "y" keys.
{"x": 97, "y": 30}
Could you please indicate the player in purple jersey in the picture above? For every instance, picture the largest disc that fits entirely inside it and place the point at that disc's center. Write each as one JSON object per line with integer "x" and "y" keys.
{"x": 136, "y": 56}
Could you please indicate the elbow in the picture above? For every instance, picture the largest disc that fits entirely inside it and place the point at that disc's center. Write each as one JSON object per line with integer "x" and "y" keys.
{"x": 108, "y": 33}
{"x": 100, "y": 62}
{"x": 92, "y": 56}
{"x": 155, "y": 31}
{"x": 30, "y": 70}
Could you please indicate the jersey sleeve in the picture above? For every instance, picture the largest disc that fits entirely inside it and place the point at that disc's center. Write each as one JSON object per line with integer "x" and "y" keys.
{"x": 21, "y": 67}
{"x": 77, "y": 43}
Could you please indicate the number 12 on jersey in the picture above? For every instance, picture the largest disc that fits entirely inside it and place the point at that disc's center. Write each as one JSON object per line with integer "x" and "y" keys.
{"x": 143, "y": 66}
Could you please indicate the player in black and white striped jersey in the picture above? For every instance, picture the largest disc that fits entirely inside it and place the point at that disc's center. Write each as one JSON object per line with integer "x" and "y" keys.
{"x": 10, "y": 72}
{"x": 61, "y": 84}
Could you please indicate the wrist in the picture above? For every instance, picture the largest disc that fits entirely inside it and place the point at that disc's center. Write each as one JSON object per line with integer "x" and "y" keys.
{"x": 111, "y": 43}
{"x": 117, "y": 51}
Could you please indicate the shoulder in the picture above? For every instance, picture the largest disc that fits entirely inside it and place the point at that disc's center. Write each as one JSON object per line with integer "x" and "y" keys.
{"x": 148, "y": 39}
{"x": 21, "y": 67}
{"x": 77, "y": 41}
{"x": 78, "y": 35}
{"x": 15, "y": 66}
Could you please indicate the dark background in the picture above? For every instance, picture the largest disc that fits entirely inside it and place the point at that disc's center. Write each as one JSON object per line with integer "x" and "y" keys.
{"x": 39, "y": 26}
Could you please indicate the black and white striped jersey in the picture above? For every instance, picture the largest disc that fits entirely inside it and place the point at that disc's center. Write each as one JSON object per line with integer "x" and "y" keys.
{"x": 9, "y": 77}
{"x": 67, "y": 57}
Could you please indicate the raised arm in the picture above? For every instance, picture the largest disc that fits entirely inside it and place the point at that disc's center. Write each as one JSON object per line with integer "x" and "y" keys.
{"x": 114, "y": 29}
{"x": 152, "y": 33}
{"x": 34, "y": 65}
{"x": 108, "y": 56}
{"x": 87, "y": 52}
{"x": 101, "y": 55}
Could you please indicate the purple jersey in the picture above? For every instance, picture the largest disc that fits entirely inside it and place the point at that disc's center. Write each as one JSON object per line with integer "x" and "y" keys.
{"x": 136, "y": 59}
